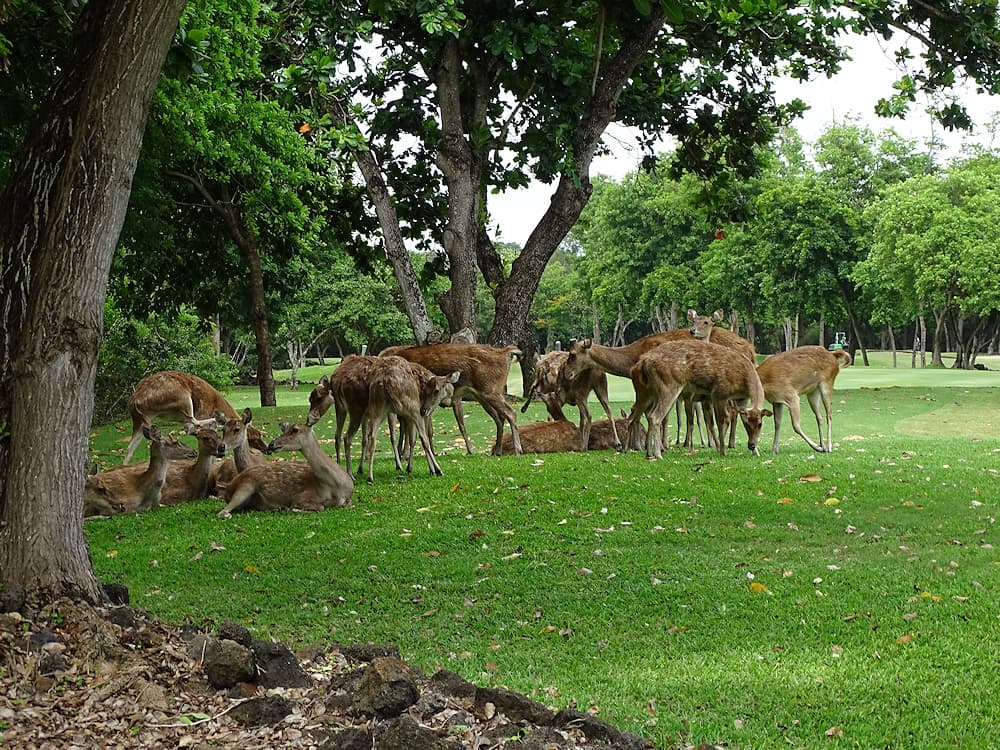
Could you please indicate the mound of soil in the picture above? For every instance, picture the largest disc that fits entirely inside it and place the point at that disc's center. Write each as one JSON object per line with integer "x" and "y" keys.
{"x": 75, "y": 676}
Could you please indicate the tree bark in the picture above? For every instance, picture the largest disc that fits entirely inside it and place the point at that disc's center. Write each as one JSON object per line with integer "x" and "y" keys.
{"x": 388, "y": 219}
{"x": 514, "y": 296}
{"x": 60, "y": 217}
{"x": 246, "y": 241}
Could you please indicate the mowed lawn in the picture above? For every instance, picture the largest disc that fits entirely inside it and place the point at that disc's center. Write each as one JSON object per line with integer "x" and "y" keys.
{"x": 811, "y": 600}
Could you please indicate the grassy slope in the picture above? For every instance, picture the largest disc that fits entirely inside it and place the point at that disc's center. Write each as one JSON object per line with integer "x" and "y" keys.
{"x": 627, "y": 586}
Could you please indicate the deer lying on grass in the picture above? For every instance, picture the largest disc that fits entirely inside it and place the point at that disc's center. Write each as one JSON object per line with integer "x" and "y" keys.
{"x": 346, "y": 389}
{"x": 483, "y": 375}
{"x": 130, "y": 489}
{"x": 809, "y": 371}
{"x": 246, "y": 447}
{"x": 190, "y": 481}
{"x": 550, "y": 379}
{"x": 411, "y": 392}
{"x": 562, "y": 436}
{"x": 697, "y": 368}
{"x": 172, "y": 393}
{"x": 314, "y": 484}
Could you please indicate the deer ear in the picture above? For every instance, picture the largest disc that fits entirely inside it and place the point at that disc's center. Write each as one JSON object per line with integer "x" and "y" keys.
{"x": 190, "y": 428}
{"x": 285, "y": 427}
{"x": 692, "y": 314}
{"x": 152, "y": 432}
{"x": 454, "y": 377}
{"x": 718, "y": 315}
{"x": 324, "y": 381}
{"x": 247, "y": 416}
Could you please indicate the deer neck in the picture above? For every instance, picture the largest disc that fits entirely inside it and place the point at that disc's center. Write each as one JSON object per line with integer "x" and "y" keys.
{"x": 153, "y": 478}
{"x": 617, "y": 360}
{"x": 322, "y": 465}
{"x": 201, "y": 470}
{"x": 241, "y": 455}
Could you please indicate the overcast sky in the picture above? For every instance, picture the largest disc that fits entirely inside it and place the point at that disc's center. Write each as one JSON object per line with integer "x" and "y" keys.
{"x": 864, "y": 80}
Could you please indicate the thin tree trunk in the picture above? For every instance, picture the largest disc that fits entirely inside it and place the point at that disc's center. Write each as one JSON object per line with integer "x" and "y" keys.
{"x": 939, "y": 327}
{"x": 60, "y": 217}
{"x": 395, "y": 247}
{"x": 892, "y": 343}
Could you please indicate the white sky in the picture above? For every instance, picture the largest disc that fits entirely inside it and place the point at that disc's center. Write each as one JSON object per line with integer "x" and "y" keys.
{"x": 864, "y": 80}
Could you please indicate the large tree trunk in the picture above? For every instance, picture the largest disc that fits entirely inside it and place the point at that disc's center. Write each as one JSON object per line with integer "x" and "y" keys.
{"x": 60, "y": 217}
{"x": 514, "y": 296}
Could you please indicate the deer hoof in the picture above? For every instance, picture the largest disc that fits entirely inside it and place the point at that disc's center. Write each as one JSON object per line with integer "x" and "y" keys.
{"x": 225, "y": 515}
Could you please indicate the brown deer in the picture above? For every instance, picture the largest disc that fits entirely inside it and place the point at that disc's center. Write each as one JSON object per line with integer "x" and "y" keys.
{"x": 562, "y": 436}
{"x": 346, "y": 389}
{"x": 130, "y": 489}
{"x": 697, "y": 368}
{"x": 246, "y": 445}
{"x": 805, "y": 370}
{"x": 176, "y": 394}
{"x": 190, "y": 481}
{"x": 550, "y": 379}
{"x": 410, "y": 391}
{"x": 619, "y": 360}
{"x": 314, "y": 484}
{"x": 483, "y": 376}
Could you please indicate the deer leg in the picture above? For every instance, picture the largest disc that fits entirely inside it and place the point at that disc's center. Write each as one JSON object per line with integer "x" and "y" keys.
{"x": 657, "y": 415}
{"x": 391, "y": 419}
{"x": 432, "y": 465}
{"x": 602, "y": 398}
{"x": 778, "y": 408}
{"x": 814, "y": 401}
{"x": 138, "y": 422}
{"x": 504, "y": 414}
{"x": 793, "y": 412}
{"x": 456, "y": 407}
{"x": 341, "y": 417}
{"x": 721, "y": 425}
{"x": 585, "y": 422}
{"x": 241, "y": 494}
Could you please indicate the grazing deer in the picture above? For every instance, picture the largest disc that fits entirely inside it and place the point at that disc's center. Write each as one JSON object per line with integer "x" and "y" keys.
{"x": 239, "y": 436}
{"x": 130, "y": 489}
{"x": 346, "y": 389}
{"x": 483, "y": 376}
{"x": 550, "y": 379}
{"x": 809, "y": 371}
{"x": 410, "y": 391}
{"x": 172, "y": 393}
{"x": 697, "y": 368}
{"x": 314, "y": 484}
{"x": 185, "y": 482}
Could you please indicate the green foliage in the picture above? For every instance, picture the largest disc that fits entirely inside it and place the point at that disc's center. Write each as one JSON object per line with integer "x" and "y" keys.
{"x": 133, "y": 348}
{"x": 737, "y": 601}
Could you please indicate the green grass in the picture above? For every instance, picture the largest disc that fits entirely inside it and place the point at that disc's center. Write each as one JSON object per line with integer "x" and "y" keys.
{"x": 626, "y": 585}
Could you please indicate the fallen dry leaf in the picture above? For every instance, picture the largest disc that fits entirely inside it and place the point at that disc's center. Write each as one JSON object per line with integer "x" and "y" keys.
{"x": 810, "y": 478}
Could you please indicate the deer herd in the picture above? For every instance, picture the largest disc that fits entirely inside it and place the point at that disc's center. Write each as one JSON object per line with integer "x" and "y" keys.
{"x": 706, "y": 368}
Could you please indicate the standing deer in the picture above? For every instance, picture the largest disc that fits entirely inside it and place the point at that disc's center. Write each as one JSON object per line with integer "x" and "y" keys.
{"x": 619, "y": 360}
{"x": 176, "y": 394}
{"x": 806, "y": 370}
{"x": 550, "y": 379}
{"x": 346, "y": 389}
{"x": 697, "y": 368}
{"x": 314, "y": 484}
{"x": 483, "y": 375}
{"x": 190, "y": 481}
{"x": 410, "y": 391}
{"x": 129, "y": 489}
